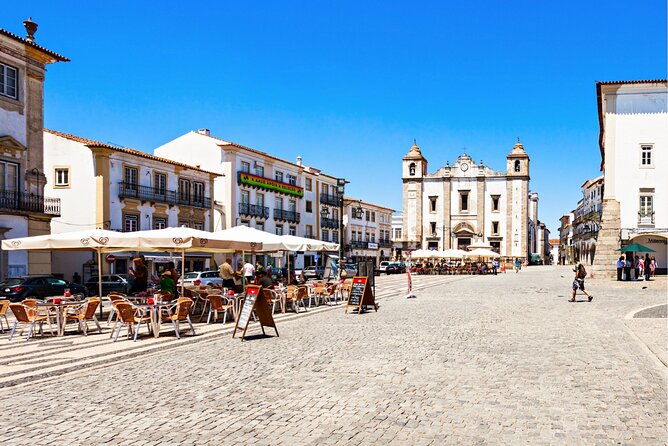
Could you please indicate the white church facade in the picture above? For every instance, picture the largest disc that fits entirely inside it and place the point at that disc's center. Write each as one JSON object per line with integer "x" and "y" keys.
{"x": 470, "y": 204}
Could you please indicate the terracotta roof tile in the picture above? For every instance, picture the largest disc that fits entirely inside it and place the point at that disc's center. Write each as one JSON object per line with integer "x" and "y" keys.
{"x": 11, "y": 35}
{"x": 92, "y": 143}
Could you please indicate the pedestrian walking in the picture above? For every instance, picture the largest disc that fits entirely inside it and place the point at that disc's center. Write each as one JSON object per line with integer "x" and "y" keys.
{"x": 652, "y": 266}
{"x": 648, "y": 263}
{"x": 495, "y": 265}
{"x": 518, "y": 265}
{"x": 627, "y": 269}
{"x": 620, "y": 267}
{"x": 579, "y": 280}
{"x": 249, "y": 271}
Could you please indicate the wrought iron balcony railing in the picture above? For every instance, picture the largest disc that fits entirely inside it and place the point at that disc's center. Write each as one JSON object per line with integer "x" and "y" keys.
{"x": 147, "y": 193}
{"x": 332, "y": 200}
{"x": 357, "y": 244}
{"x": 21, "y": 201}
{"x": 253, "y": 210}
{"x": 329, "y": 223}
{"x": 385, "y": 242}
{"x": 291, "y": 216}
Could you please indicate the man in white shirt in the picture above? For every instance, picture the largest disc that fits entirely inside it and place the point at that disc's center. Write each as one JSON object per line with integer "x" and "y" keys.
{"x": 249, "y": 272}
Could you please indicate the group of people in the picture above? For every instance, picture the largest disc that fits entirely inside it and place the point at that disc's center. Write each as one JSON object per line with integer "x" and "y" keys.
{"x": 249, "y": 272}
{"x": 139, "y": 277}
{"x": 631, "y": 268}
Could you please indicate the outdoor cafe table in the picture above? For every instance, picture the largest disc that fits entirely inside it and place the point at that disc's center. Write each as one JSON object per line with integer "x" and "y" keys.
{"x": 154, "y": 310}
{"x": 59, "y": 309}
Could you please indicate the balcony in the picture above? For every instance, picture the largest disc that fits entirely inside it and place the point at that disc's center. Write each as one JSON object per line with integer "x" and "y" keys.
{"x": 332, "y": 200}
{"x": 253, "y": 210}
{"x": 646, "y": 218}
{"x": 290, "y": 216}
{"x": 329, "y": 223}
{"x": 170, "y": 197}
{"x": 357, "y": 244}
{"x": 25, "y": 202}
{"x": 385, "y": 243}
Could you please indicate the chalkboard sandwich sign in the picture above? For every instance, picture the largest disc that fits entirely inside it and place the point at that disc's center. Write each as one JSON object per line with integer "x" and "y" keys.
{"x": 360, "y": 295}
{"x": 254, "y": 302}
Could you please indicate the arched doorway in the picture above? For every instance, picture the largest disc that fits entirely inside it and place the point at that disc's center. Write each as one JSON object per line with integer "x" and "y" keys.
{"x": 463, "y": 233}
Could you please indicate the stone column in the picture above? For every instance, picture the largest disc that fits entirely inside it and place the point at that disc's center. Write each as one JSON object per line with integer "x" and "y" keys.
{"x": 447, "y": 216}
{"x": 608, "y": 241}
{"x": 4, "y": 255}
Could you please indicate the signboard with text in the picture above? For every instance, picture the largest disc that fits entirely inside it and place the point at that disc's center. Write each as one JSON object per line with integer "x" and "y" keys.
{"x": 254, "y": 303}
{"x": 360, "y": 295}
{"x": 249, "y": 179}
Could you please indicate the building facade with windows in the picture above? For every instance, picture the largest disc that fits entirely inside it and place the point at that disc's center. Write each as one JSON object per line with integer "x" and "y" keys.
{"x": 397, "y": 236}
{"x": 633, "y": 141}
{"x": 587, "y": 220}
{"x": 122, "y": 189}
{"x": 368, "y": 231}
{"x": 566, "y": 240}
{"x": 264, "y": 192}
{"x": 25, "y": 209}
{"x": 469, "y": 203}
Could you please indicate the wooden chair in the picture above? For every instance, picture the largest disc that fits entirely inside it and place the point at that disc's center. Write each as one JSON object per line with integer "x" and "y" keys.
{"x": 85, "y": 313}
{"x": 130, "y": 317}
{"x": 329, "y": 293}
{"x": 274, "y": 297}
{"x": 26, "y": 315}
{"x": 218, "y": 303}
{"x": 178, "y": 313}
{"x": 4, "y": 306}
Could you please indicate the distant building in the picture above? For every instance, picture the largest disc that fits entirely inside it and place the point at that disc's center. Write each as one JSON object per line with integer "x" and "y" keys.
{"x": 122, "y": 189}
{"x": 24, "y": 209}
{"x": 468, "y": 202}
{"x": 397, "y": 235}
{"x": 587, "y": 220}
{"x": 566, "y": 240}
{"x": 554, "y": 251}
{"x": 633, "y": 118}
{"x": 368, "y": 231}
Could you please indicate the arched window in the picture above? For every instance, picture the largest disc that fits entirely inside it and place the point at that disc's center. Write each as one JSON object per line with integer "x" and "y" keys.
{"x": 517, "y": 166}
{"x": 411, "y": 169}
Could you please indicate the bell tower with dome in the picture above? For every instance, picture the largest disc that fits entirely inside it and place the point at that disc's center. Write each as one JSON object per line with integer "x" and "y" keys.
{"x": 414, "y": 169}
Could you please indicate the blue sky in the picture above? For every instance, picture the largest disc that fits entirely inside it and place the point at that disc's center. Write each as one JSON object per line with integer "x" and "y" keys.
{"x": 348, "y": 85}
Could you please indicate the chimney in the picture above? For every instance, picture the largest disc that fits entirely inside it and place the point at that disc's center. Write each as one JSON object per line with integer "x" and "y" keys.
{"x": 205, "y": 132}
{"x": 299, "y": 160}
{"x": 31, "y": 29}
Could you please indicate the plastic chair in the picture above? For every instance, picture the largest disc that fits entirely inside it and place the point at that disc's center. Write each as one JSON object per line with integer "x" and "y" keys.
{"x": 84, "y": 313}
{"x": 4, "y": 306}
{"x": 218, "y": 303}
{"x": 26, "y": 315}
{"x": 178, "y": 313}
{"x": 130, "y": 317}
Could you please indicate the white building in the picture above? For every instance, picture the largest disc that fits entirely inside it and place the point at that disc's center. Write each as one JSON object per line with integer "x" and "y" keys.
{"x": 259, "y": 190}
{"x": 104, "y": 186}
{"x": 565, "y": 240}
{"x": 633, "y": 139}
{"x": 24, "y": 208}
{"x": 397, "y": 235}
{"x": 587, "y": 220}
{"x": 468, "y": 202}
{"x": 368, "y": 231}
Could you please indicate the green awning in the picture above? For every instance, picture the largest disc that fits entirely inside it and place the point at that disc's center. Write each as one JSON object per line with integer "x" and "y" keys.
{"x": 636, "y": 247}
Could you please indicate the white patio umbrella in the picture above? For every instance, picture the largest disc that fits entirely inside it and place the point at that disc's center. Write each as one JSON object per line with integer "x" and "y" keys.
{"x": 451, "y": 254}
{"x": 480, "y": 245}
{"x": 294, "y": 243}
{"x": 422, "y": 254}
{"x": 98, "y": 240}
{"x": 481, "y": 253}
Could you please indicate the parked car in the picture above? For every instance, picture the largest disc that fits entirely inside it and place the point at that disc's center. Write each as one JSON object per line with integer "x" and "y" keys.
{"x": 395, "y": 268}
{"x": 114, "y": 282}
{"x": 350, "y": 269}
{"x": 205, "y": 278}
{"x": 382, "y": 268}
{"x": 314, "y": 272}
{"x": 17, "y": 289}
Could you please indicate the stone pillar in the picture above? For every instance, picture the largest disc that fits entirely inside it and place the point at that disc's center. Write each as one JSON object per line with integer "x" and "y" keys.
{"x": 608, "y": 241}
{"x": 4, "y": 255}
{"x": 480, "y": 208}
{"x": 447, "y": 216}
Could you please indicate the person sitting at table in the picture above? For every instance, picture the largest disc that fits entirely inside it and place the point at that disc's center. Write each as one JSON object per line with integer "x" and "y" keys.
{"x": 174, "y": 275}
{"x": 263, "y": 279}
{"x": 140, "y": 274}
{"x": 167, "y": 283}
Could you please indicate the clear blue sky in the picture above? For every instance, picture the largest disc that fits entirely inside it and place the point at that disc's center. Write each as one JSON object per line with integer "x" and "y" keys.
{"x": 348, "y": 84}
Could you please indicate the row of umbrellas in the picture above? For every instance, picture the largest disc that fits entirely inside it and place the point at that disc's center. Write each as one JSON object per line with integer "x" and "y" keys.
{"x": 236, "y": 239}
{"x": 453, "y": 254}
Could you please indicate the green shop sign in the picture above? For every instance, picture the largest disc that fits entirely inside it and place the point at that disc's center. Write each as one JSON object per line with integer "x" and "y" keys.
{"x": 266, "y": 183}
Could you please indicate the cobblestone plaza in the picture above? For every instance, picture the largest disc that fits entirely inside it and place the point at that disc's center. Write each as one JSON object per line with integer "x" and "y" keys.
{"x": 473, "y": 360}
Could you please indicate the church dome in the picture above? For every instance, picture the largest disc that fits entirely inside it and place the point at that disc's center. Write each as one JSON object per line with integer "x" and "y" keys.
{"x": 414, "y": 152}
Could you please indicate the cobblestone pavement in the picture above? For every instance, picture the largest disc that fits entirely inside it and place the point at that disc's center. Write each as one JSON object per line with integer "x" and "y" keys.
{"x": 475, "y": 360}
